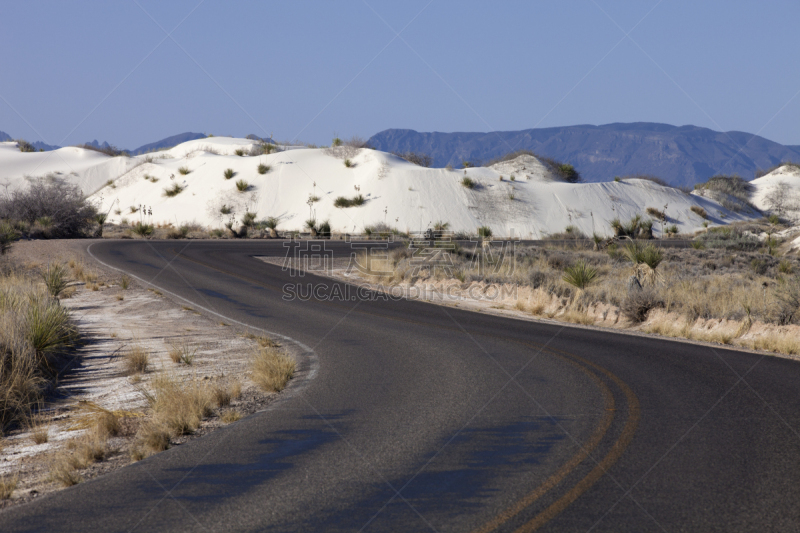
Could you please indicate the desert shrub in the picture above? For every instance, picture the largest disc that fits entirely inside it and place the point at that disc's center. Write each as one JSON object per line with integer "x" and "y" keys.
{"x": 656, "y": 213}
{"x": 25, "y": 146}
{"x": 635, "y": 228}
{"x": 225, "y": 209}
{"x": 638, "y": 303}
{"x": 7, "y": 236}
{"x": 787, "y": 294}
{"x": 271, "y": 369}
{"x": 239, "y": 152}
{"x": 484, "y": 232}
{"x": 174, "y": 190}
{"x": 469, "y": 183}
{"x": 343, "y": 201}
{"x": 249, "y": 219}
{"x": 699, "y": 211}
{"x": 789, "y": 164}
{"x": 728, "y": 238}
{"x": 324, "y": 230}
{"x": 137, "y": 359}
{"x": 228, "y": 173}
{"x": 263, "y": 169}
{"x": 181, "y": 233}
{"x": 63, "y": 204}
{"x": 179, "y": 407}
{"x": 570, "y": 232}
{"x": 55, "y": 279}
{"x": 418, "y": 158}
{"x": 112, "y": 151}
{"x": 35, "y": 334}
{"x": 732, "y": 192}
{"x": 348, "y": 163}
{"x": 143, "y": 230}
{"x": 648, "y": 177}
{"x": 184, "y": 171}
{"x": 580, "y": 274}
{"x": 242, "y": 185}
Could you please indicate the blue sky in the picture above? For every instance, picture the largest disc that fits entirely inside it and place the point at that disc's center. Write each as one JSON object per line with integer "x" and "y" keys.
{"x": 132, "y": 72}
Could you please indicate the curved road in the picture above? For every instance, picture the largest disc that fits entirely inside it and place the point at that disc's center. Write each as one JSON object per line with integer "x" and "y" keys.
{"x": 415, "y": 417}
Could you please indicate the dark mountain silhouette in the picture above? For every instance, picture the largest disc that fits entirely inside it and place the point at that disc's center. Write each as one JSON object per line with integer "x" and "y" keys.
{"x": 168, "y": 142}
{"x": 680, "y": 155}
{"x": 5, "y": 137}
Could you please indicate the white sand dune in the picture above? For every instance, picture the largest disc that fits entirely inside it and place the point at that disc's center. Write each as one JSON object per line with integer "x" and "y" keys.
{"x": 397, "y": 192}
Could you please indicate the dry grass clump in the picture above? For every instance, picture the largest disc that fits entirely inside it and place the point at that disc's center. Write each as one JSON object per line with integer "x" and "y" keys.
{"x": 137, "y": 359}
{"x": 775, "y": 343}
{"x": 699, "y": 211}
{"x": 182, "y": 353}
{"x": 180, "y": 406}
{"x": 271, "y": 369}
{"x": 8, "y": 484}
{"x": 80, "y": 453}
{"x": 230, "y": 415}
{"x": 35, "y": 334}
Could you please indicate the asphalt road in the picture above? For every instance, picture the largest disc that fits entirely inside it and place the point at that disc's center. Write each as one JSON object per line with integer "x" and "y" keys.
{"x": 407, "y": 416}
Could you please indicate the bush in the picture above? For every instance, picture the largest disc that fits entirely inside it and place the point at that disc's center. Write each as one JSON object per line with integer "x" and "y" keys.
{"x": 348, "y": 163}
{"x": 418, "y": 158}
{"x": 174, "y": 190}
{"x": 7, "y": 236}
{"x": 242, "y": 185}
{"x": 484, "y": 232}
{"x": 342, "y": 201}
{"x": 143, "y": 230}
{"x": 184, "y": 171}
{"x": 249, "y": 219}
{"x": 55, "y": 279}
{"x": 635, "y": 228}
{"x": 788, "y": 296}
{"x": 25, "y": 146}
{"x": 225, "y": 209}
{"x": 112, "y": 151}
{"x": 271, "y": 369}
{"x": 63, "y": 204}
{"x": 580, "y": 274}
{"x": 656, "y": 213}
{"x": 729, "y": 238}
{"x": 638, "y": 303}
{"x": 137, "y": 360}
{"x": 468, "y": 182}
{"x": 239, "y": 152}
{"x": 262, "y": 168}
{"x": 35, "y": 333}
{"x": 229, "y": 173}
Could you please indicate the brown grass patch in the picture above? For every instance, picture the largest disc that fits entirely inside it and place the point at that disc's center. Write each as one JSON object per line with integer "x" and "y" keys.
{"x": 180, "y": 407}
{"x": 8, "y": 484}
{"x": 271, "y": 369}
{"x": 137, "y": 359}
{"x": 230, "y": 415}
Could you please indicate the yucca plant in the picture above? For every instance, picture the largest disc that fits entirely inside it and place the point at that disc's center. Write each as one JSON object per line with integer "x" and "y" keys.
{"x": 184, "y": 171}
{"x": 468, "y": 183}
{"x": 645, "y": 259}
{"x": 484, "y": 232}
{"x": 242, "y": 185}
{"x": 263, "y": 169}
{"x": 272, "y": 224}
{"x": 229, "y": 173}
{"x": 580, "y": 274}
{"x": 143, "y": 230}
{"x": 55, "y": 279}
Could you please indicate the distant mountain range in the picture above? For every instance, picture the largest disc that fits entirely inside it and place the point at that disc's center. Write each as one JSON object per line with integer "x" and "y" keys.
{"x": 167, "y": 142}
{"x": 680, "y": 155}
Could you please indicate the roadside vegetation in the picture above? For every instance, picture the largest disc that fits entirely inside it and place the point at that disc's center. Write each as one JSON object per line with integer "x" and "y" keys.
{"x": 733, "y": 288}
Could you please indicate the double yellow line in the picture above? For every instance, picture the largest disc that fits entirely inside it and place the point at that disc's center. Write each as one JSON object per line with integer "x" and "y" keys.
{"x": 594, "y": 440}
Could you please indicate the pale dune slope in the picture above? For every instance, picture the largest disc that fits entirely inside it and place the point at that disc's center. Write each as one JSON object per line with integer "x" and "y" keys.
{"x": 403, "y": 195}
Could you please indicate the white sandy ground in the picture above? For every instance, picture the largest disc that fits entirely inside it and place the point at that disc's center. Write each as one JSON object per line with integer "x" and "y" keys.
{"x": 502, "y": 300}
{"x": 398, "y": 193}
{"x": 111, "y": 326}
